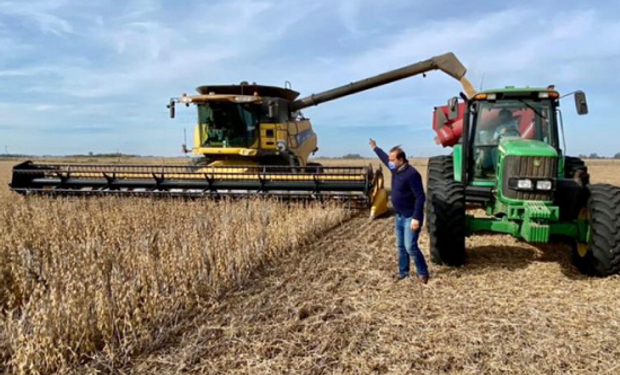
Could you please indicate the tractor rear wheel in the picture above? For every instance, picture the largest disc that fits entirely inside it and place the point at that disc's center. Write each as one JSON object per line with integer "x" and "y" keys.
{"x": 445, "y": 212}
{"x": 601, "y": 256}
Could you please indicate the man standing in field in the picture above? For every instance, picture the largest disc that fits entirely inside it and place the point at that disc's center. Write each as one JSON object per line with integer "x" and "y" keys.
{"x": 408, "y": 201}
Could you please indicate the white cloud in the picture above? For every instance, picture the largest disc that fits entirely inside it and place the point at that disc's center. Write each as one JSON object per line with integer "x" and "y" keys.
{"x": 44, "y": 107}
{"x": 117, "y": 63}
{"x": 148, "y": 54}
{"x": 349, "y": 13}
{"x": 141, "y": 8}
{"x": 39, "y": 12}
{"x": 26, "y": 72}
{"x": 499, "y": 43}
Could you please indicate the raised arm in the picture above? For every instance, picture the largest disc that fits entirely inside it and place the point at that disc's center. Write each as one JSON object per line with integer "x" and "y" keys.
{"x": 380, "y": 153}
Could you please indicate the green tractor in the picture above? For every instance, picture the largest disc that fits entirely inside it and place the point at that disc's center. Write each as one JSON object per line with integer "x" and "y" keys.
{"x": 508, "y": 174}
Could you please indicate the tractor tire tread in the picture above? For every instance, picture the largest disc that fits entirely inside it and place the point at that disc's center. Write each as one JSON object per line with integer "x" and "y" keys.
{"x": 604, "y": 250}
{"x": 445, "y": 211}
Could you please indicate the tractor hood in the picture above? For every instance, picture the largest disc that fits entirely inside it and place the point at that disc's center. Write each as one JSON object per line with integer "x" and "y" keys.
{"x": 526, "y": 147}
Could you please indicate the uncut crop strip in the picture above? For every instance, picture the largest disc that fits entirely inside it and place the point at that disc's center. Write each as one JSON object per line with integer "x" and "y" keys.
{"x": 80, "y": 277}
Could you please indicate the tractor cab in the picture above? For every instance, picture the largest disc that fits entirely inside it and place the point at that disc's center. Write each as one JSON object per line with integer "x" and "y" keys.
{"x": 502, "y": 119}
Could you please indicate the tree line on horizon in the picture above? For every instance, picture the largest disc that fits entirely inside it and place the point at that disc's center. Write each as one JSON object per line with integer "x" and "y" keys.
{"x": 593, "y": 155}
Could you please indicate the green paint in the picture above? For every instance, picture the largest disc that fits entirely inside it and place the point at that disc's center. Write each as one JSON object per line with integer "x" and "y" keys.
{"x": 534, "y": 231}
{"x": 569, "y": 229}
{"x": 531, "y": 230}
{"x": 483, "y": 224}
{"x": 457, "y": 162}
{"x": 526, "y": 147}
{"x": 519, "y": 147}
{"x": 482, "y": 183}
{"x": 518, "y": 210}
{"x": 539, "y": 210}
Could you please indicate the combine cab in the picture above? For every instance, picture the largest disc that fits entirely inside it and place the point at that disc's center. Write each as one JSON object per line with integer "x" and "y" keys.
{"x": 249, "y": 140}
{"x": 508, "y": 160}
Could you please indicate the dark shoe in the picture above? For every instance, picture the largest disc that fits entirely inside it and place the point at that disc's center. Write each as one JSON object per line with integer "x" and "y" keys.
{"x": 423, "y": 280}
{"x": 398, "y": 277}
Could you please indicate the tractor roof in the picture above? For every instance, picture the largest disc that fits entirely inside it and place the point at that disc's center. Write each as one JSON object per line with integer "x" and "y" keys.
{"x": 258, "y": 90}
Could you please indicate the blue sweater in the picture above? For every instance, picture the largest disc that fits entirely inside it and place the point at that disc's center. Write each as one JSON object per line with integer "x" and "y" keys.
{"x": 407, "y": 189}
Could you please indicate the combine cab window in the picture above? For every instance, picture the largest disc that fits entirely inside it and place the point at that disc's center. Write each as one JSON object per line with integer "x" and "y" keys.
{"x": 228, "y": 124}
{"x": 516, "y": 118}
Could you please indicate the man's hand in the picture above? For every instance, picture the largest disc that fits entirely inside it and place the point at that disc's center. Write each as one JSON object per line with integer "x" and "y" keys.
{"x": 415, "y": 225}
{"x": 372, "y": 143}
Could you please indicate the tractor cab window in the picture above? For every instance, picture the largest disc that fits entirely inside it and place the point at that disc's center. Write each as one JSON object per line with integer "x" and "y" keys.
{"x": 514, "y": 118}
{"x": 226, "y": 124}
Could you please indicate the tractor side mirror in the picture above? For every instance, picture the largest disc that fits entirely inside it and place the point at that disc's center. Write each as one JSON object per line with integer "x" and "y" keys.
{"x": 171, "y": 108}
{"x": 581, "y": 103}
{"x": 453, "y": 108}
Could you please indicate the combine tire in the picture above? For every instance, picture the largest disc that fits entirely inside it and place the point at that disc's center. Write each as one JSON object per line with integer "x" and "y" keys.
{"x": 600, "y": 257}
{"x": 445, "y": 212}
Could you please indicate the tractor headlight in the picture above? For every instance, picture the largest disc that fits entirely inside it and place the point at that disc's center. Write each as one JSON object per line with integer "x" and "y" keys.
{"x": 543, "y": 185}
{"x": 281, "y": 146}
{"x": 525, "y": 184}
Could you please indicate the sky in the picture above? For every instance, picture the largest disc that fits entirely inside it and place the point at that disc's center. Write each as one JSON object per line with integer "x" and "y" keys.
{"x": 81, "y": 77}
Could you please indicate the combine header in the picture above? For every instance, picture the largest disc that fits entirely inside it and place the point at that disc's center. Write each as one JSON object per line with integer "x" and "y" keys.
{"x": 249, "y": 139}
{"x": 350, "y": 184}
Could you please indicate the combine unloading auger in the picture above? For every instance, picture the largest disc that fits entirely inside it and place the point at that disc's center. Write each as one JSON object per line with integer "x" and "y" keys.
{"x": 251, "y": 140}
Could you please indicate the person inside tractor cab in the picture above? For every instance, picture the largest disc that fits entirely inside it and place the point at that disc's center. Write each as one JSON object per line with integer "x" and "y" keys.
{"x": 507, "y": 126}
{"x": 488, "y": 140}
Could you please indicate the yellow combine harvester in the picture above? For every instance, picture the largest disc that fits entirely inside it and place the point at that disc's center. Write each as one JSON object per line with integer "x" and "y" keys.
{"x": 249, "y": 139}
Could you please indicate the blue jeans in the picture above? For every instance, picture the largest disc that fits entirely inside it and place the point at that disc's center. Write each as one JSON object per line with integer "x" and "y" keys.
{"x": 407, "y": 247}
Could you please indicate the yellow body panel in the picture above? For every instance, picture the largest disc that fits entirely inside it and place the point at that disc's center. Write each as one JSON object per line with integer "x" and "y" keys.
{"x": 378, "y": 197}
{"x": 225, "y": 151}
{"x": 379, "y": 204}
{"x": 301, "y": 142}
{"x": 269, "y": 135}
